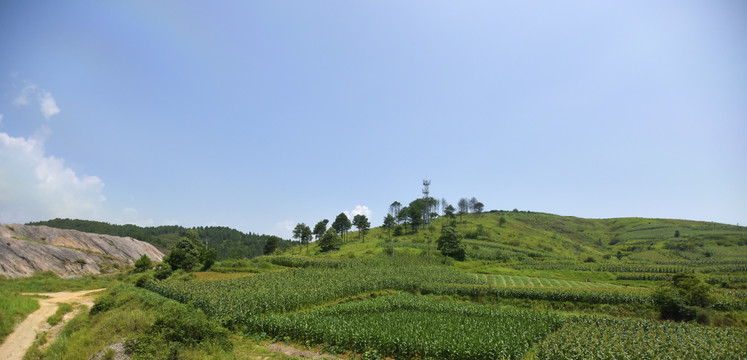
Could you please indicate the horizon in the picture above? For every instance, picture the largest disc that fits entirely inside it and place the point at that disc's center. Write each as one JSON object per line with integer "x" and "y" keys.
{"x": 260, "y": 116}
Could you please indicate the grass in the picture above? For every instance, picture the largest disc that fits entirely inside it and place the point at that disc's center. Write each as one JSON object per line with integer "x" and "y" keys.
{"x": 50, "y": 282}
{"x": 62, "y": 309}
{"x": 13, "y": 308}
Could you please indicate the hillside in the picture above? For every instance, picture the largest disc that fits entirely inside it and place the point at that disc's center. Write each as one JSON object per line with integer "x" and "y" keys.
{"x": 531, "y": 236}
{"x": 230, "y": 243}
{"x": 26, "y": 250}
{"x": 533, "y": 286}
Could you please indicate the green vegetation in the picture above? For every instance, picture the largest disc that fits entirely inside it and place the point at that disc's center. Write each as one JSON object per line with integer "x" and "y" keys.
{"x": 409, "y": 326}
{"x": 62, "y": 309}
{"x": 481, "y": 285}
{"x": 588, "y": 338}
{"x": 150, "y": 326}
{"x": 13, "y": 308}
{"x": 227, "y": 242}
{"x": 50, "y": 282}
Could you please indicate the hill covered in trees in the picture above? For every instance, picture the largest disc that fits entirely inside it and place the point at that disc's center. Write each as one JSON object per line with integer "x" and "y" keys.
{"x": 229, "y": 243}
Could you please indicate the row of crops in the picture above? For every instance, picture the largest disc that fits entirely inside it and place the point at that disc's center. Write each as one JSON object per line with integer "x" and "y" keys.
{"x": 633, "y": 267}
{"x": 407, "y": 326}
{"x": 233, "y": 301}
{"x": 303, "y": 303}
{"x": 586, "y": 338}
{"x": 520, "y": 280}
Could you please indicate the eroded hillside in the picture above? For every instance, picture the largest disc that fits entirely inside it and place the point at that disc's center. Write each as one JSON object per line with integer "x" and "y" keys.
{"x": 25, "y": 250}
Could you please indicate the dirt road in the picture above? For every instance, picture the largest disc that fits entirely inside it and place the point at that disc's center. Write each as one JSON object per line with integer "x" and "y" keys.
{"x": 23, "y": 336}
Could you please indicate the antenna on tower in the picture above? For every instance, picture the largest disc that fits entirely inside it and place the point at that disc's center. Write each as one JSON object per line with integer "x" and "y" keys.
{"x": 426, "y": 202}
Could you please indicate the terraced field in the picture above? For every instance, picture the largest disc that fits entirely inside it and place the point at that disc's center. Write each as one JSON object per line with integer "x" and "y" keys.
{"x": 528, "y": 281}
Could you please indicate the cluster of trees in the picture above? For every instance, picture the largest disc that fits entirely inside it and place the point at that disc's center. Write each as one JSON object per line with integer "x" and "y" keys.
{"x": 401, "y": 217}
{"x": 190, "y": 253}
{"x": 332, "y": 238}
{"x": 684, "y": 298}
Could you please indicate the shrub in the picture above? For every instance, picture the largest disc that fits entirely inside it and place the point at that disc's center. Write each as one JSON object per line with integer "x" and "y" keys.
{"x": 143, "y": 264}
{"x": 163, "y": 271}
{"x": 399, "y": 230}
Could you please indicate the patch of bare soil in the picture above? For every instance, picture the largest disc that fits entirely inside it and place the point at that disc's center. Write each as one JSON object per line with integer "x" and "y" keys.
{"x": 291, "y": 351}
{"x": 23, "y": 336}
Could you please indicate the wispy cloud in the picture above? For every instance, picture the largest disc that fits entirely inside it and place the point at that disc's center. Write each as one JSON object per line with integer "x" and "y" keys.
{"x": 47, "y": 105}
{"x": 24, "y": 97}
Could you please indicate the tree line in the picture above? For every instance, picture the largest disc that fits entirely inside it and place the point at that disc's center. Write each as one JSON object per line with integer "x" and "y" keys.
{"x": 332, "y": 238}
{"x": 227, "y": 242}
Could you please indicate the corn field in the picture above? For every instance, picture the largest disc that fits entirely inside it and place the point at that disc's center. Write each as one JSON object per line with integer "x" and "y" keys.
{"x": 407, "y": 326}
{"x": 640, "y": 339}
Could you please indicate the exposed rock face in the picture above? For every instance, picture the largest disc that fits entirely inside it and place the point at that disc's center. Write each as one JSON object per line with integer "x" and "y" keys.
{"x": 25, "y": 250}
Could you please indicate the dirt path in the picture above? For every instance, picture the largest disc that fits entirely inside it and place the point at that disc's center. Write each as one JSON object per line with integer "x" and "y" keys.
{"x": 23, "y": 336}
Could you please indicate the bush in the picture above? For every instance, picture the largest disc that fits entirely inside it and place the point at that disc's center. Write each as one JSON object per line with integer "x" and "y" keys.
{"x": 163, "y": 271}
{"x": 399, "y": 230}
{"x": 143, "y": 264}
{"x": 142, "y": 280}
{"x": 671, "y": 305}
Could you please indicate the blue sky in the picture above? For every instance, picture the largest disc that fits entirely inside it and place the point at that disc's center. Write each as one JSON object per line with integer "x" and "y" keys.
{"x": 261, "y": 114}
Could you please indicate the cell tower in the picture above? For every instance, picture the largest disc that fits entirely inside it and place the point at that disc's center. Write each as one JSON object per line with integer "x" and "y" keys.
{"x": 426, "y": 202}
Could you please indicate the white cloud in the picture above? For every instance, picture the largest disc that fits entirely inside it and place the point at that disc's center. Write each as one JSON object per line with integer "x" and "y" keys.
{"x": 359, "y": 209}
{"x": 47, "y": 105}
{"x": 1, "y": 119}
{"x": 34, "y": 186}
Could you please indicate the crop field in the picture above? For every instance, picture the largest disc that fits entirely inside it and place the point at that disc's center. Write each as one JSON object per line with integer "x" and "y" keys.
{"x": 639, "y": 339}
{"x": 233, "y": 301}
{"x": 517, "y": 280}
{"x": 409, "y": 326}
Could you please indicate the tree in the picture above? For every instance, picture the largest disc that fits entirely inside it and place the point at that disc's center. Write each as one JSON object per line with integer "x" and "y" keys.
{"x": 320, "y": 228}
{"x": 395, "y": 208}
{"x": 303, "y": 234}
{"x": 185, "y": 254}
{"x": 450, "y": 243}
{"x": 143, "y": 264}
{"x": 361, "y": 222}
{"x": 681, "y": 299}
{"x": 342, "y": 225}
{"x": 330, "y": 241}
{"x": 479, "y": 207}
{"x": 444, "y": 205}
{"x": 208, "y": 257}
{"x": 501, "y": 221}
{"x": 463, "y": 205}
{"x": 389, "y": 223}
{"x": 403, "y": 215}
{"x": 471, "y": 204}
{"x": 450, "y": 211}
{"x": 271, "y": 244}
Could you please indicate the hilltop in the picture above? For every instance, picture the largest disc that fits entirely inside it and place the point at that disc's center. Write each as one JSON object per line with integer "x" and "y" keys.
{"x": 518, "y": 236}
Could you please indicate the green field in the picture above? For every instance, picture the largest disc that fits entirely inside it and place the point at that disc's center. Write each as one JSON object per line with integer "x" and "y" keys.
{"x": 534, "y": 286}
